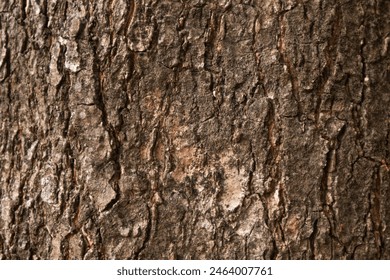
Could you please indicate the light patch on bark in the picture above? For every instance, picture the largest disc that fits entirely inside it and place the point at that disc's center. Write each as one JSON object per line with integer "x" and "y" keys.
{"x": 247, "y": 224}
{"x": 47, "y": 194}
{"x": 48, "y": 185}
{"x": 72, "y": 58}
{"x": 54, "y": 76}
{"x": 103, "y": 196}
{"x": 234, "y": 183}
{"x": 6, "y": 206}
{"x": 185, "y": 155}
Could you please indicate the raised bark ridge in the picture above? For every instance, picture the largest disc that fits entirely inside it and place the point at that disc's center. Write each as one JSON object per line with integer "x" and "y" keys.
{"x": 196, "y": 129}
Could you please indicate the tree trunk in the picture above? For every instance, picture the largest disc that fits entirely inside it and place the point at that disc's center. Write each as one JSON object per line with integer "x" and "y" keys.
{"x": 198, "y": 129}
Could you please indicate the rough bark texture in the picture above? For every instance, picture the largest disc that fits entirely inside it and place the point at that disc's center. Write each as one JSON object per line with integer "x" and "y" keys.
{"x": 234, "y": 129}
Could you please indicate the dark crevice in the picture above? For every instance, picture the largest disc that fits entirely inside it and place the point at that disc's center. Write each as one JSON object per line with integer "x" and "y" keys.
{"x": 148, "y": 234}
{"x": 312, "y": 239}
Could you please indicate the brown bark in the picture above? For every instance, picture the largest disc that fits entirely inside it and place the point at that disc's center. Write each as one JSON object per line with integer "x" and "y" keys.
{"x": 231, "y": 129}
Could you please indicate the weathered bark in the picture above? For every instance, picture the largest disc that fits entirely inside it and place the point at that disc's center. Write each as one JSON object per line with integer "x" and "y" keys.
{"x": 231, "y": 129}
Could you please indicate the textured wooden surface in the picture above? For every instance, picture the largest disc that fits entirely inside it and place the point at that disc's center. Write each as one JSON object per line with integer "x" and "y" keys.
{"x": 194, "y": 129}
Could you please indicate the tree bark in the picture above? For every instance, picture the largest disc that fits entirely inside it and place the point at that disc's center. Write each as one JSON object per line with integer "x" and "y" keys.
{"x": 235, "y": 129}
